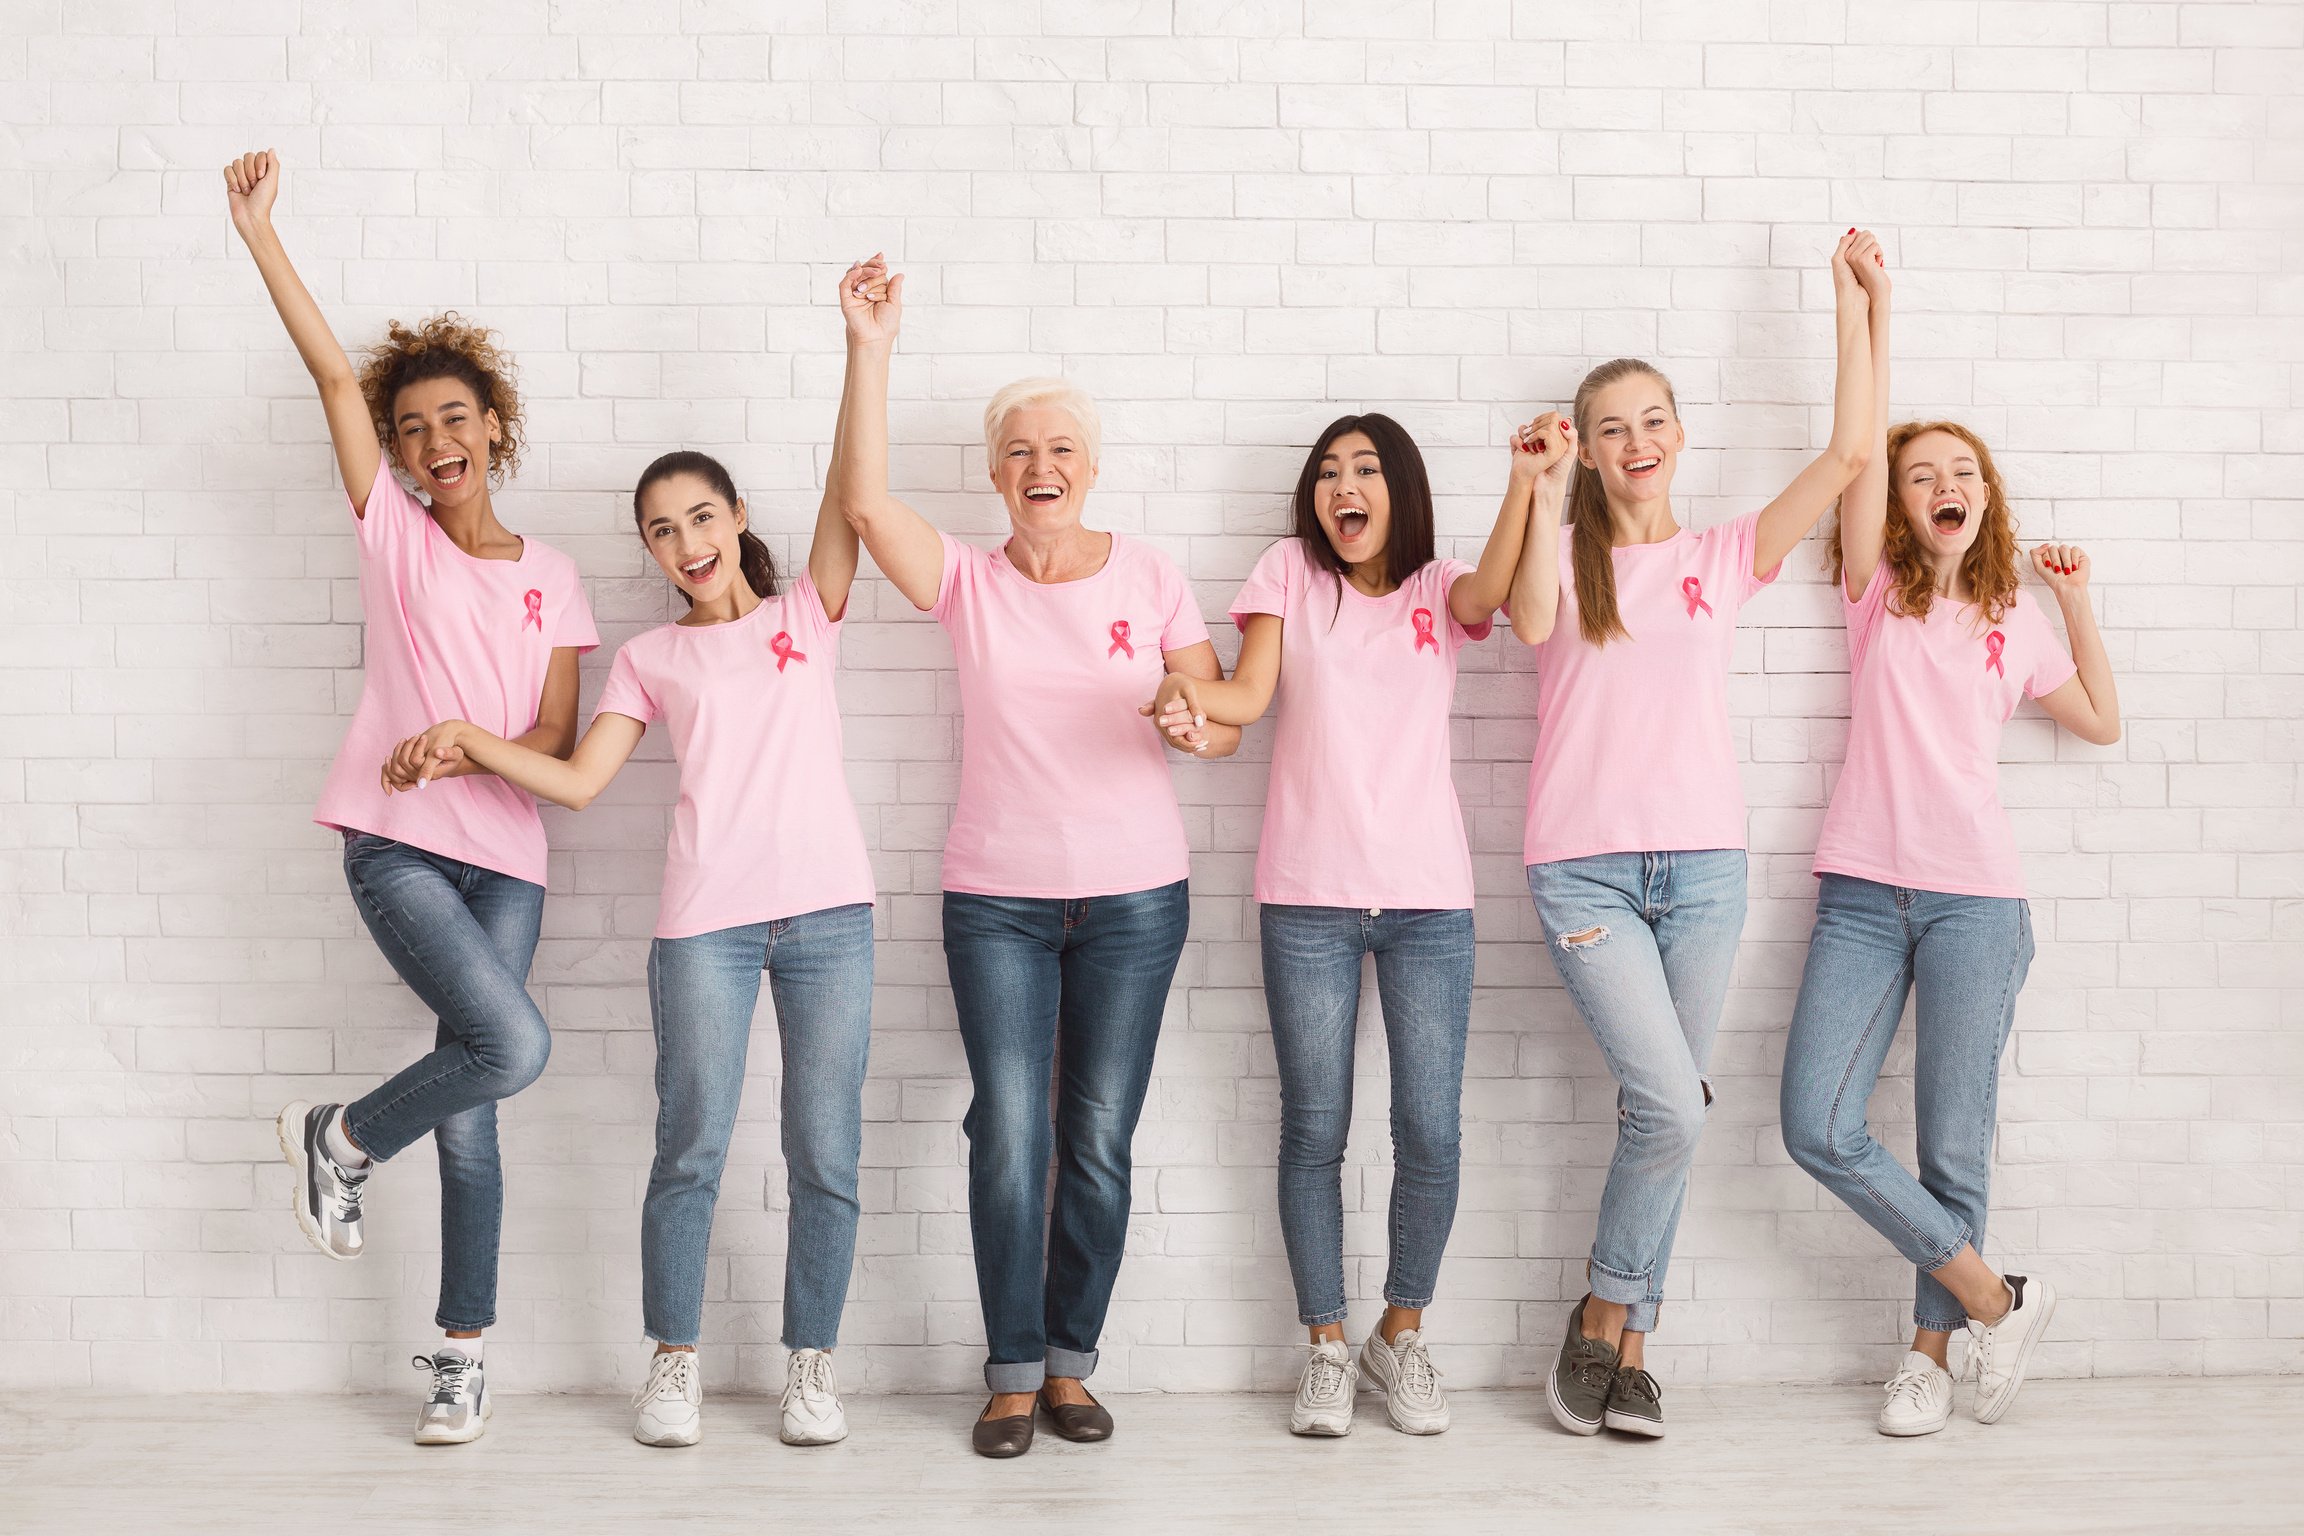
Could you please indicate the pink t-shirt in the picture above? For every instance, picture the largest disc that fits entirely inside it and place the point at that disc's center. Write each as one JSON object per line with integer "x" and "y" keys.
{"x": 450, "y": 637}
{"x": 1918, "y": 802}
{"x": 1633, "y": 751}
{"x": 765, "y": 827}
{"x": 1361, "y": 811}
{"x": 1064, "y": 788}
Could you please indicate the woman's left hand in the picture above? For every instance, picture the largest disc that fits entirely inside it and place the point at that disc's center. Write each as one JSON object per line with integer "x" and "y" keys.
{"x": 2063, "y": 566}
{"x": 1174, "y": 721}
{"x": 426, "y": 756}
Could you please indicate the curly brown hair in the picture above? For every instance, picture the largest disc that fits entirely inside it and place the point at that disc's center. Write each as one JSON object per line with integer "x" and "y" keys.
{"x": 1990, "y": 565}
{"x": 445, "y": 346}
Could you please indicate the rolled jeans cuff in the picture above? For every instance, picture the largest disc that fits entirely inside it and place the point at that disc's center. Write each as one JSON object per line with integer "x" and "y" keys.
{"x": 1323, "y": 1319}
{"x": 1616, "y": 1286}
{"x": 1027, "y": 1375}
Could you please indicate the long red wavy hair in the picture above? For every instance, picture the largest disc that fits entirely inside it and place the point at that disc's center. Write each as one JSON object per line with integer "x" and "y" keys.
{"x": 1990, "y": 564}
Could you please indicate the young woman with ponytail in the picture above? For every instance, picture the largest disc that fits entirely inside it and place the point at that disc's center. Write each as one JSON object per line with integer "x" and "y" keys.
{"x": 1635, "y": 832}
{"x": 766, "y": 871}
{"x": 1922, "y": 895}
{"x": 459, "y": 613}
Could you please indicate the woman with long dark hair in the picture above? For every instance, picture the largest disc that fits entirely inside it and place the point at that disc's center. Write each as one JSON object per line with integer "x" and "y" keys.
{"x": 1350, "y": 627}
{"x": 765, "y": 872}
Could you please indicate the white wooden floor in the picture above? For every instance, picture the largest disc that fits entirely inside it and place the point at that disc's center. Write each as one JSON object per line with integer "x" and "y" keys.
{"x": 2073, "y": 1456}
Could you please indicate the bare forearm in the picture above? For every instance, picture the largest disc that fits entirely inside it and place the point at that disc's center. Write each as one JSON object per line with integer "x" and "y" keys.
{"x": 1478, "y": 594}
{"x": 2095, "y": 664}
{"x": 307, "y": 327}
{"x": 1536, "y": 578}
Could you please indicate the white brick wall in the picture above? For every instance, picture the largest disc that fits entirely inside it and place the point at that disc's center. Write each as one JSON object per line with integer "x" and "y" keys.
{"x": 1230, "y": 218}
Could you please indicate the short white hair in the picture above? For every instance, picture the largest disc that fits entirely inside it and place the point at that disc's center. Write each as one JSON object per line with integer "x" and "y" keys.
{"x": 1067, "y": 397}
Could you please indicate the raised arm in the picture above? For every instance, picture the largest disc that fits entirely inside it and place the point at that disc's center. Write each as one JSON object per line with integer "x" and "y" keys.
{"x": 1544, "y": 456}
{"x": 904, "y": 544}
{"x": 572, "y": 782}
{"x": 2087, "y": 705}
{"x": 832, "y": 550}
{"x": 251, "y": 183}
{"x": 1785, "y": 521}
{"x": 1864, "y": 505}
{"x": 1474, "y": 597}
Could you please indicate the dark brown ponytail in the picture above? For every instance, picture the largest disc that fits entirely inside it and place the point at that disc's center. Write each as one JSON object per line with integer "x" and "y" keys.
{"x": 758, "y": 565}
{"x": 1592, "y": 536}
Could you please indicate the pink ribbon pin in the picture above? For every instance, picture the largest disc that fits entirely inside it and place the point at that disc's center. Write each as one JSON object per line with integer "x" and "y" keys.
{"x": 1120, "y": 641}
{"x": 535, "y": 611}
{"x": 782, "y": 646}
{"x": 1994, "y": 644}
{"x": 1693, "y": 590}
{"x": 1423, "y": 621}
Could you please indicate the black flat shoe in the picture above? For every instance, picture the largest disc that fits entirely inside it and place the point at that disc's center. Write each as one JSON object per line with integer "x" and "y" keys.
{"x": 1082, "y": 1422}
{"x": 1002, "y": 1438}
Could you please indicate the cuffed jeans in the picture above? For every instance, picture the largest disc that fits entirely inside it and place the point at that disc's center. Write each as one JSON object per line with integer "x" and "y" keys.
{"x": 462, "y": 938}
{"x": 1312, "y": 991}
{"x": 1644, "y": 943}
{"x": 701, "y": 994}
{"x": 1965, "y": 958}
{"x": 1077, "y": 986}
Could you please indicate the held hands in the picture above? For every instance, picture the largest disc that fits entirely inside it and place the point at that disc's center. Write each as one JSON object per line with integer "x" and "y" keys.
{"x": 250, "y": 185}
{"x": 429, "y": 755}
{"x": 1543, "y": 452}
{"x": 871, "y": 302}
{"x": 2064, "y": 567}
{"x": 1859, "y": 270}
{"x": 1177, "y": 715}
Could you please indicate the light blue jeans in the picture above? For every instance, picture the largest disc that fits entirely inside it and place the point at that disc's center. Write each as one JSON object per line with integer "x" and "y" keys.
{"x": 701, "y": 993}
{"x": 461, "y": 937}
{"x": 1644, "y": 943}
{"x": 1965, "y": 957}
{"x": 1312, "y": 991}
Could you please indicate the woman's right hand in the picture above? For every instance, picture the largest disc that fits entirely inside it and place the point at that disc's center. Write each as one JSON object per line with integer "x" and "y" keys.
{"x": 1177, "y": 705}
{"x": 872, "y": 302}
{"x": 1540, "y": 450}
{"x": 433, "y": 754}
{"x": 250, "y": 185}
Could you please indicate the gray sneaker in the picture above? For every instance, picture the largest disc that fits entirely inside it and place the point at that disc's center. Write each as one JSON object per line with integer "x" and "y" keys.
{"x": 459, "y": 1407}
{"x": 1635, "y": 1403}
{"x": 1577, "y": 1389}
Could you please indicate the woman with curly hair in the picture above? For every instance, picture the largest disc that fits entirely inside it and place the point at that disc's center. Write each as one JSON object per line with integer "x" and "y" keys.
{"x": 464, "y": 620}
{"x": 1922, "y": 894}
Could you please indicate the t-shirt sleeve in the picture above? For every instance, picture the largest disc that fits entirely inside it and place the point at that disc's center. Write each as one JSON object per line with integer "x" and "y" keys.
{"x": 1266, "y": 589}
{"x": 625, "y": 693}
{"x": 2052, "y": 665}
{"x": 1452, "y": 571}
{"x": 573, "y": 625}
{"x": 1744, "y": 539}
{"x": 950, "y": 582}
{"x": 389, "y": 513}
{"x": 1180, "y": 623}
{"x": 1863, "y": 615}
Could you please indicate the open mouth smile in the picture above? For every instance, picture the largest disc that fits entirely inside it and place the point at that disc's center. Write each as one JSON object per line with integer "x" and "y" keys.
{"x": 1351, "y": 523}
{"x": 1948, "y": 515}
{"x": 1042, "y": 495}
{"x": 449, "y": 469}
{"x": 701, "y": 571}
{"x": 1641, "y": 469}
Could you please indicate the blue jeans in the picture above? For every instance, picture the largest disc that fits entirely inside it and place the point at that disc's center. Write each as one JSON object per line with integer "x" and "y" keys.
{"x": 461, "y": 937}
{"x": 701, "y": 993}
{"x": 1644, "y": 943}
{"x": 1076, "y": 985}
{"x": 1312, "y": 991}
{"x": 1965, "y": 957}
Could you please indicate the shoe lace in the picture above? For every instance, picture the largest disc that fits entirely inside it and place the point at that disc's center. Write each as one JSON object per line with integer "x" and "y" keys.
{"x": 450, "y": 1373}
{"x": 1979, "y": 1361}
{"x": 1631, "y": 1381}
{"x": 1419, "y": 1377}
{"x": 1593, "y": 1367}
{"x": 350, "y": 1184}
{"x": 1910, "y": 1386}
{"x": 670, "y": 1374}
{"x": 1325, "y": 1377}
{"x": 811, "y": 1375}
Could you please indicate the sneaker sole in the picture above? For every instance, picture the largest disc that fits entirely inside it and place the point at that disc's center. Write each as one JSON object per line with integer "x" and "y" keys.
{"x": 813, "y": 1438}
{"x": 1312, "y": 1429}
{"x": 1560, "y": 1413}
{"x": 670, "y": 1441}
{"x": 461, "y": 1437}
{"x": 1632, "y": 1424}
{"x": 1913, "y": 1432}
{"x": 292, "y": 1148}
{"x": 2007, "y": 1397}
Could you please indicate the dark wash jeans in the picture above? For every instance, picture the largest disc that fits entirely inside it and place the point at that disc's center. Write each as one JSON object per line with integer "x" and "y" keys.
{"x": 1038, "y": 982}
{"x": 462, "y": 938}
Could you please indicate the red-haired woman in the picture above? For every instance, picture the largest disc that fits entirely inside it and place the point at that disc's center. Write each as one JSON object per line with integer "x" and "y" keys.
{"x": 1922, "y": 895}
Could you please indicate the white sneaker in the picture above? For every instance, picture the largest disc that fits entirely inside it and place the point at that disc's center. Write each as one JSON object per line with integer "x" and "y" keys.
{"x": 327, "y": 1194}
{"x": 1998, "y": 1354}
{"x": 672, "y": 1403}
{"x": 1919, "y": 1398}
{"x": 812, "y": 1412}
{"x": 1410, "y": 1382}
{"x": 1324, "y": 1396}
{"x": 459, "y": 1407}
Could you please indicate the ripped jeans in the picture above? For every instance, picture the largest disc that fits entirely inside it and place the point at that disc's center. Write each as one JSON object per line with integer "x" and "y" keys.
{"x": 1644, "y": 943}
